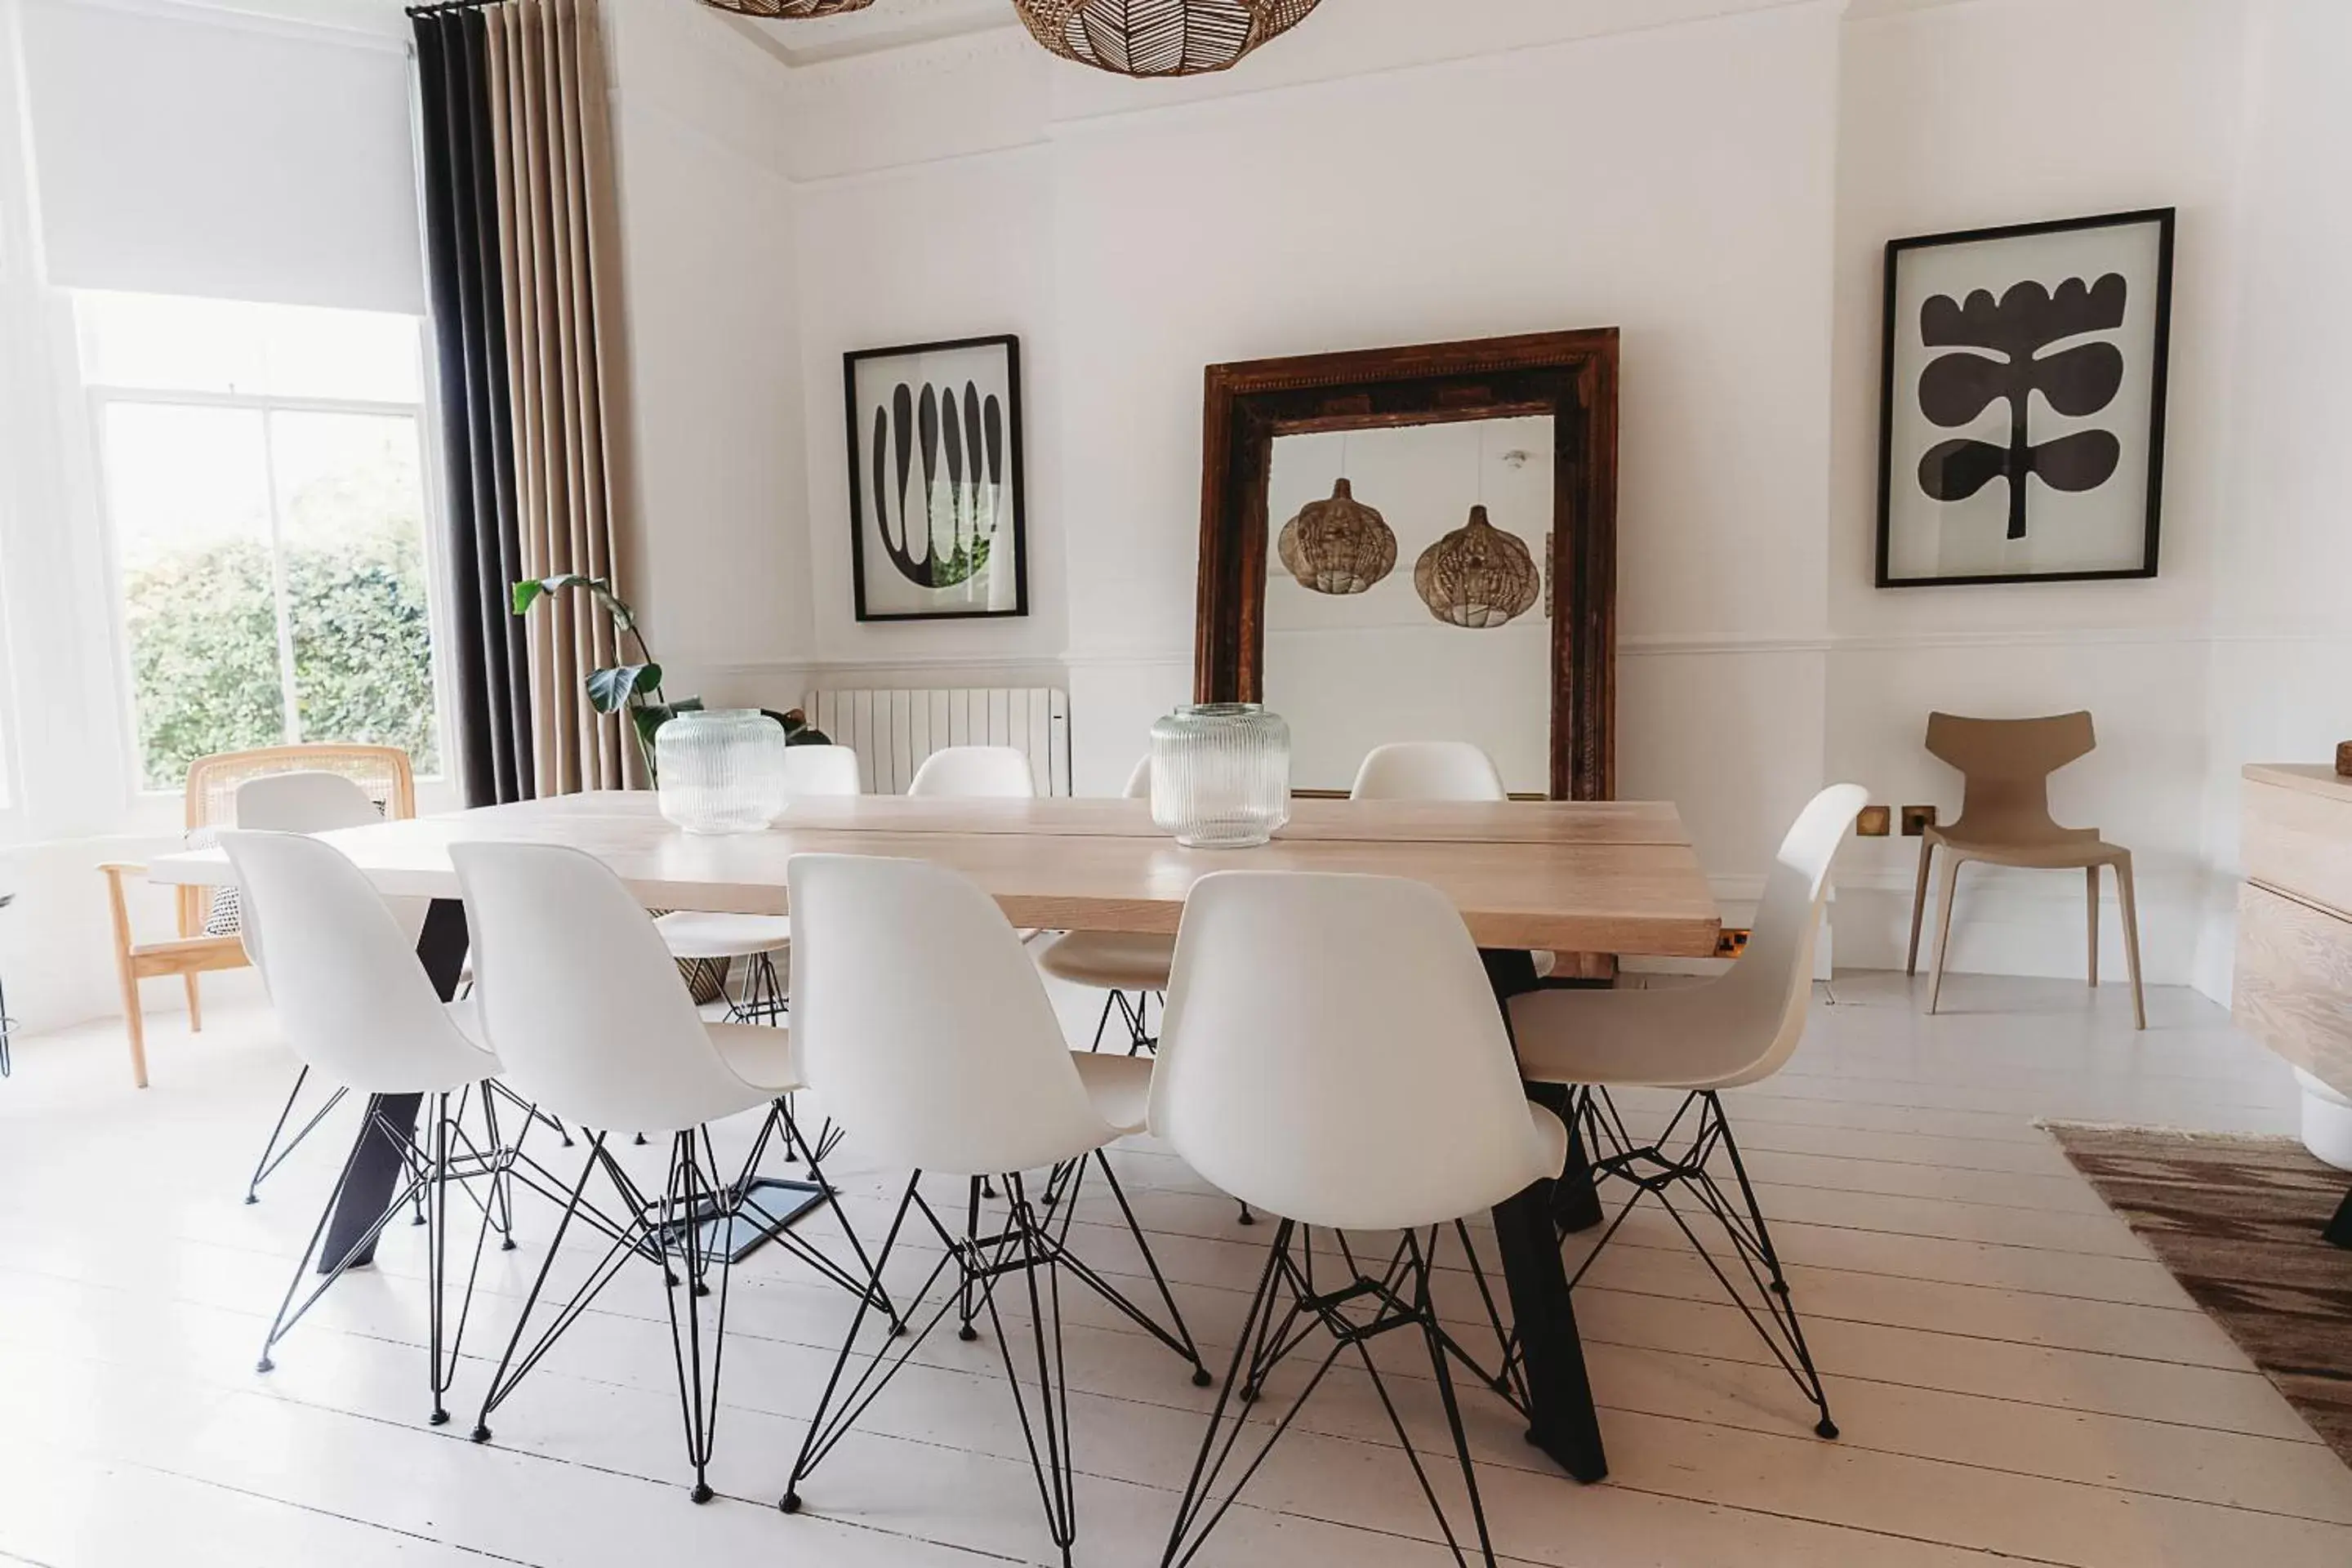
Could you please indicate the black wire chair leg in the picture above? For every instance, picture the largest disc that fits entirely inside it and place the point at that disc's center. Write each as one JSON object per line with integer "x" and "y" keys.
{"x": 686, "y": 1197}
{"x": 272, "y": 1156}
{"x": 966, "y": 1310}
{"x": 1785, "y": 1309}
{"x": 501, "y": 1385}
{"x": 1054, "y": 1468}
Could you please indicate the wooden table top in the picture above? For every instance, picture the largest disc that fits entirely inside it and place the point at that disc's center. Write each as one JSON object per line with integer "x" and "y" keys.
{"x": 1574, "y": 877}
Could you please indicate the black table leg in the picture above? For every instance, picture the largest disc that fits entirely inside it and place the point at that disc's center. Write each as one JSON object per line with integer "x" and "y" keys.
{"x": 1562, "y": 1419}
{"x": 2339, "y": 1230}
{"x": 377, "y": 1165}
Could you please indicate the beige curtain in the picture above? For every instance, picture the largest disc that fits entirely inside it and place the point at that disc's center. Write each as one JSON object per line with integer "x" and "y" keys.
{"x": 560, "y": 254}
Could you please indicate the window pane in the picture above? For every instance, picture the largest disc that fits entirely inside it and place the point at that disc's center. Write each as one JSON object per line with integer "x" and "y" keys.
{"x": 351, "y": 514}
{"x": 187, "y": 497}
{"x": 178, "y": 343}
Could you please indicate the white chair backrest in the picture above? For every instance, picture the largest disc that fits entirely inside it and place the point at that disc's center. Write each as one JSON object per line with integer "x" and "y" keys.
{"x": 921, "y": 1022}
{"x": 1428, "y": 769}
{"x": 308, "y": 801}
{"x": 581, "y": 999}
{"x": 1139, "y": 783}
{"x": 303, "y": 802}
{"x": 1332, "y": 1052}
{"x": 821, "y": 771}
{"x": 1745, "y": 1024}
{"x": 1000, "y": 771}
{"x": 353, "y": 1001}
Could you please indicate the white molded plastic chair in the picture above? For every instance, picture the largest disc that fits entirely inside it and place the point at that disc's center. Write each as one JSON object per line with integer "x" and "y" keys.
{"x": 1732, "y": 1030}
{"x": 308, "y": 801}
{"x": 580, "y": 994}
{"x": 1129, "y": 967}
{"x": 1428, "y": 769}
{"x": 1333, "y": 1054}
{"x": 356, "y": 1005}
{"x": 924, "y": 1026}
{"x": 1001, "y": 772}
{"x": 756, "y": 940}
{"x": 1435, "y": 770}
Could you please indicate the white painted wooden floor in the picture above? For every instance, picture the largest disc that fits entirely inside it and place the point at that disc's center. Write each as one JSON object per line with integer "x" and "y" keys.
{"x": 2015, "y": 1377}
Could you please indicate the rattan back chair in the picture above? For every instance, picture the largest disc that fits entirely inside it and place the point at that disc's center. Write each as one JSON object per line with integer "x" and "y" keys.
{"x": 208, "y": 935}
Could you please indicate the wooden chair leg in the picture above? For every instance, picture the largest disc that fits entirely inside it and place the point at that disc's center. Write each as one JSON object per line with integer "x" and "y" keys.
{"x": 1951, "y": 881}
{"x": 2131, "y": 938}
{"x": 196, "y": 1005}
{"x": 133, "y": 1025}
{"x": 1919, "y": 903}
{"x": 2090, "y": 879}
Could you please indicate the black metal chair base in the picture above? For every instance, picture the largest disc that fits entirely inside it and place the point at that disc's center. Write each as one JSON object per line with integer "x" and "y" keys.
{"x": 445, "y": 1155}
{"x": 763, "y": 1001}
{"x": 1134, "y": 1013}
{"x": 1678, "y": 1159}
{"x": 1350, "y": 1310}
{"x": 1032, "y": 1244}
{"x": 694, "y": 1225}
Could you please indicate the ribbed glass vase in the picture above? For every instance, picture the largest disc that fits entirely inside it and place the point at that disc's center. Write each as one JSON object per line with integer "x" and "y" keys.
{"x": 1221, "y": 774}
{"x": 721, "y": 770}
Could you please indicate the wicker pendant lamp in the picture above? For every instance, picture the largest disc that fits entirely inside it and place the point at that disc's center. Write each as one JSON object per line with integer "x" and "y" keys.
{"x": 1477, "y": 576}
{"x": 1336, "y": 546}
{"x": 1158, "y": 37}
{"x": 789, "y": 10}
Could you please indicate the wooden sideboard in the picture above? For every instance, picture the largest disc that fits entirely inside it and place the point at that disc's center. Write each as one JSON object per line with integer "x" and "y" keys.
{"x": 2293, "y": 989}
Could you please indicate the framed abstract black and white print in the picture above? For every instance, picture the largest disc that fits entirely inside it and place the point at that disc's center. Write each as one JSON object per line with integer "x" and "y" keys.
{"x": 2021, "y": 413}
{"x": 935, "y": 510}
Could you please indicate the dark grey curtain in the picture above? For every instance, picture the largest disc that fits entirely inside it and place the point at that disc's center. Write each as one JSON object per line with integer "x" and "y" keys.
{"x": 491, "y": 730}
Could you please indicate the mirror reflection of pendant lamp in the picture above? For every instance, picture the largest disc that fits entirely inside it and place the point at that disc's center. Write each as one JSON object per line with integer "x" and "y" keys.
{"x": 1336, "y": 546}
{"x": 1477, "y": 576}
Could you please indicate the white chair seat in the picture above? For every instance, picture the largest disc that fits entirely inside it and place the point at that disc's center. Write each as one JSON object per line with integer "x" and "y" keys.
{"x": 762, "y": 1055}
{"x": 1606, "y": 1037}
{"x": 1554, "y": 1133}
{"x": 1120, "y": 1088}
{"x": 1110, "y": 961}
{"x": 699, "y": 933}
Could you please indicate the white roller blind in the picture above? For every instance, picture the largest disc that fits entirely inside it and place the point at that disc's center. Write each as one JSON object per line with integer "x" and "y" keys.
{"x": 199, "y": 157}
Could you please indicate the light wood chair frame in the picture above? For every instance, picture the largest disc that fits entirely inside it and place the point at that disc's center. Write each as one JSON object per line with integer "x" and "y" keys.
{"x": 2005, "y": 765}
{"x": 192, "y": 953}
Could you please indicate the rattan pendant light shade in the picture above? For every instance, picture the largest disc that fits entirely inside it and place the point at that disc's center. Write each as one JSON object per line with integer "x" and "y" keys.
{"x": 1158, "y": 37}
{"x": 1336, "y": 546}
{"x": 789, "y": 10}
{"x": 1477, "y": 576}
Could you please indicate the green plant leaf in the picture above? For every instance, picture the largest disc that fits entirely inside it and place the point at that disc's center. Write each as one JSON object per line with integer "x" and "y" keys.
{"x": 797, "y": 727}
{"x": 530, "y": 590}
{"x": 610, "y": 689}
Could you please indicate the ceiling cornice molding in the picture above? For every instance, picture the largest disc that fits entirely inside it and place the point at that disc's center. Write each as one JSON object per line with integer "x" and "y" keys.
{"x": 891, "y": 26}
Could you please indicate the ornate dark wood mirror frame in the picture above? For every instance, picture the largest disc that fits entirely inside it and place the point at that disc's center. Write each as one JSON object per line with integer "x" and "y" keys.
{"x": 1572, "y": 377}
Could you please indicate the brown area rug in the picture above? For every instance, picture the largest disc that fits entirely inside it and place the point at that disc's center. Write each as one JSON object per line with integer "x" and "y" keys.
{"x": 2237, "y": 1222}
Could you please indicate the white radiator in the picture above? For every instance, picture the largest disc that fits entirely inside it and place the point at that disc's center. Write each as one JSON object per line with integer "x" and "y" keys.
{"x": 892, "y": 732}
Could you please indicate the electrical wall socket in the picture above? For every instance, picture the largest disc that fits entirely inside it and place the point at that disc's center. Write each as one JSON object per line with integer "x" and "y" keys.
{"x": 1873, "y": 821}
{"x": 1917, "y": 820}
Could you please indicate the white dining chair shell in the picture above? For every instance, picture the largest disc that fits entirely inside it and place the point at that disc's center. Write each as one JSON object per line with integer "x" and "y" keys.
{"x": 1332, "y": 1052}
{"x": 1129, "y": 965}
{"x": 1734, "y": 1029}
{"x": 344, "y": 976}
{"x": 922, "y": 1023}
{"x": 975, "y": 771}
{"x": 1428, "y": 769}
{"x": 812, "y": 772}
{"x": 578, "y": 992}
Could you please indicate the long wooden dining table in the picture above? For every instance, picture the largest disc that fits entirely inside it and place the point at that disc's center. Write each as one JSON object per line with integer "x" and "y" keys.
{"x": 1577, "y": 876}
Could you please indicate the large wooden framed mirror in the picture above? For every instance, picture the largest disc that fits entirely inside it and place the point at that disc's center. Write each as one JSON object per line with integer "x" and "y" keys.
{"x": 1432, "y": 620}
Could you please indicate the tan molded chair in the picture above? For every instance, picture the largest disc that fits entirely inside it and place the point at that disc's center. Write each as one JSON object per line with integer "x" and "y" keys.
{"x": 2005, "y": 820}
{"x": 212, "y": 783}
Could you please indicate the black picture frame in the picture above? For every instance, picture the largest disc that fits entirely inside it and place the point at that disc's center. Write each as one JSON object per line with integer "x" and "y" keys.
{"x": 2163, "y": 219}
{"x": 859, "y": 511}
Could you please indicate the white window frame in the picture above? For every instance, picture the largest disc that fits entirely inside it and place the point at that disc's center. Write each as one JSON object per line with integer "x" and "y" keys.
{"x": 96, "y": 396}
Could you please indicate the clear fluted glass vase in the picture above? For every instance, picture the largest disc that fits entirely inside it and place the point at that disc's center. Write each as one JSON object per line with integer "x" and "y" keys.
{"x": 1221, "y": 774}
{"x": 721, "y": 770}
